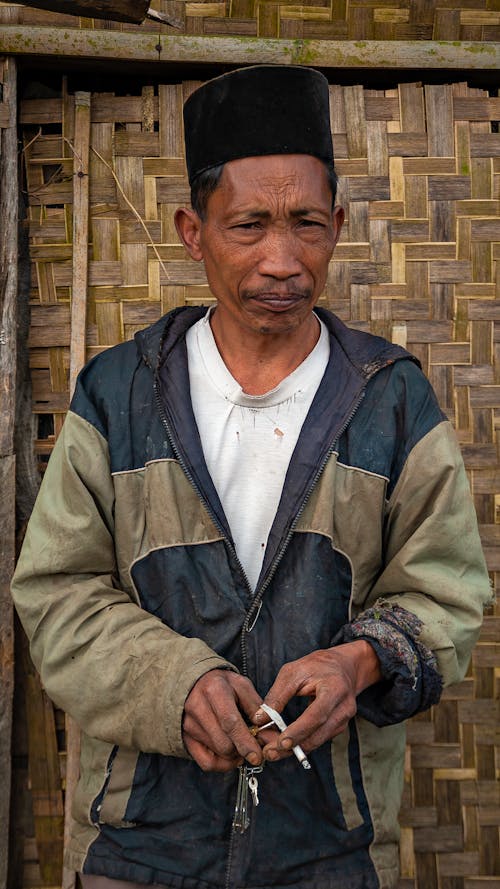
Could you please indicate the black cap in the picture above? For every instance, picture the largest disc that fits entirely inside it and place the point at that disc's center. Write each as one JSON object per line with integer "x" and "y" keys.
{"x": 263, "y": 109}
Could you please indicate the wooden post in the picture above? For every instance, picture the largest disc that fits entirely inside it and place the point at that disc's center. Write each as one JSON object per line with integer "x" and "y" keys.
{"x": 81, "y": 150}
{"x": 8, "y": 296}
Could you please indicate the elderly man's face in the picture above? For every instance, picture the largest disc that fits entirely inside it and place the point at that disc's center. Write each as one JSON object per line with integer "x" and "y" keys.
{"x": 266, "y": 241}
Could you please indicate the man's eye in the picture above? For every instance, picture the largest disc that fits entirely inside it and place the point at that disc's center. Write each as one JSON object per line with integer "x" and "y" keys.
{"x": 247, "y": 225}
{"x": 310, "y": 223}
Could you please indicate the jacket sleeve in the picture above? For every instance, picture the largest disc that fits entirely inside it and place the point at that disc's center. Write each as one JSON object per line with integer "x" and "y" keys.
{"x": 425, "y": 610}
{"x": 118, "y": 670}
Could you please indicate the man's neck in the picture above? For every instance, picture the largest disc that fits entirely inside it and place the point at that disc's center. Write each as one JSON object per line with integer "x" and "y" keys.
{"x": 257, "y": 361}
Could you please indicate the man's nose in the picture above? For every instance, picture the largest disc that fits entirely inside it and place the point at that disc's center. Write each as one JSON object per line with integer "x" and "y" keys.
{"x": 280, "y": 256}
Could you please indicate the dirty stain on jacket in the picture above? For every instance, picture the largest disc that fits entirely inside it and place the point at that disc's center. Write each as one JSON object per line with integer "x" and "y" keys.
{"x": 130, "y": 589}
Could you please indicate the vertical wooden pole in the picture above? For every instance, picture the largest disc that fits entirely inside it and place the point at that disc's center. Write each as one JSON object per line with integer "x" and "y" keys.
{"x": 81, "y": 149}
{"x": 8, "y": 351}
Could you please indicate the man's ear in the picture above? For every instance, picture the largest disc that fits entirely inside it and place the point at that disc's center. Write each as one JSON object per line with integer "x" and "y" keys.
{"x": 188, "y": 225}
{"x": 338, "y": 221}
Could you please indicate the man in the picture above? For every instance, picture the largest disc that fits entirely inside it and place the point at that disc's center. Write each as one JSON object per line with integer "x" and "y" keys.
{"x": 250, "y": 505}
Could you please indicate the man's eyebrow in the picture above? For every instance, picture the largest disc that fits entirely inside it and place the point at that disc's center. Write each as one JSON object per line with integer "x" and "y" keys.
{"x": 251, "y": 211}
{"x": 257, "y": 213}
{"x": 307, "y": 211}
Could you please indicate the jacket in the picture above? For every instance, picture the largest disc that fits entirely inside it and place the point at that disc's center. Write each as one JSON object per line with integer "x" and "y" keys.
{"x": 130, "y": 589}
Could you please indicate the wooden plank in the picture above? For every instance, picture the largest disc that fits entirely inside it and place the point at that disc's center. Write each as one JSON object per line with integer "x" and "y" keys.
{"x": 45, "y": 776}
{"x": 8, "y": 356}
{"x": 379, "y": 54}
{"x": 8, "y": 265}
{"x": 80, "y": 235}
{"x": 118, "y": 10}
{"x": 7, "y": 548}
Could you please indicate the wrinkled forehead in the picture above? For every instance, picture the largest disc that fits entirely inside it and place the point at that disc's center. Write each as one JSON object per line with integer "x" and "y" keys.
{"x": 274, "y": 166}
{"x": 296, "y": 179}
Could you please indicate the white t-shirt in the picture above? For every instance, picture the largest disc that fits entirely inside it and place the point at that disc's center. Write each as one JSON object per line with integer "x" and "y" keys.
{"x": 248, "y": 440}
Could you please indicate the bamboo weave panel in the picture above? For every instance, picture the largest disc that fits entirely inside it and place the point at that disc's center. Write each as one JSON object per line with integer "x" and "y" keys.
{"x": 475, "y": 20}
{"x": 417, "y": 262}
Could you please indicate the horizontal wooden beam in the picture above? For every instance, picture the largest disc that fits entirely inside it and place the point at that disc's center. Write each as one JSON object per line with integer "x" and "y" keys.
{"x": 115, "y": 45}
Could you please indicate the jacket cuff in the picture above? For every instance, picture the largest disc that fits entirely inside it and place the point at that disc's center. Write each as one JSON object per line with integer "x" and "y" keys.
{"x": 411, "y": 682}
{"x": 177, "y": 695}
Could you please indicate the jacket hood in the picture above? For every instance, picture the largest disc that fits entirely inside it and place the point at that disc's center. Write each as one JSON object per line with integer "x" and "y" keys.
{"x": 366, "y": 352}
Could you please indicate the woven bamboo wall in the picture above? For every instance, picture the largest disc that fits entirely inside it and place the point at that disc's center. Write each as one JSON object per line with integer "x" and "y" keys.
{"x": 328, "y": 19}
{"x": 417, "y": 263}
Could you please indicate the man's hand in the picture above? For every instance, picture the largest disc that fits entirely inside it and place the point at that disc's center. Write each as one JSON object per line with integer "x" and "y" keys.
{"x": 214, "y": 731}
{"x": 332, "y": 678}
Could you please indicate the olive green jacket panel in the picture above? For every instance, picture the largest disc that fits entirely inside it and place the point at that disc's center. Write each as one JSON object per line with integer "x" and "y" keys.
{"x": 74, "y": 618}
{"x": 433, "y": 548}
{"x": 424, "y": 552}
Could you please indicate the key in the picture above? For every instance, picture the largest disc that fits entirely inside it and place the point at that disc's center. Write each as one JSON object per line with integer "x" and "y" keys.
{"x": 253, "y": 785}
{"x": 246, "y": 781}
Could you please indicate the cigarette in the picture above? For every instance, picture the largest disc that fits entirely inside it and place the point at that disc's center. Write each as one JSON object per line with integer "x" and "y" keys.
{"x": 302, "y": 758}
{"x": 278, "y": 720}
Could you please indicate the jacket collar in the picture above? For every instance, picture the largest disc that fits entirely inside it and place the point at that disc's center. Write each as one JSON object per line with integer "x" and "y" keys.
{"x": 366, "y": 352}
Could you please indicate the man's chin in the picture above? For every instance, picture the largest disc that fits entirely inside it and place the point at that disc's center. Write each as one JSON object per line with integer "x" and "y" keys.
{"x": 280, "y": 322}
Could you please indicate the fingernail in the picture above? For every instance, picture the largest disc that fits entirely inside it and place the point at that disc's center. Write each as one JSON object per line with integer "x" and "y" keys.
{"x": 271, "y": 755}
{"x": 259, "y": 715}
{"x": 286, "y": 743}
{"x": 253, "y": 759}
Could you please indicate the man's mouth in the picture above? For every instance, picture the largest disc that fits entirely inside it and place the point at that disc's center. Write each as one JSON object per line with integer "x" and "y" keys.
{"x": 277, "y": 301}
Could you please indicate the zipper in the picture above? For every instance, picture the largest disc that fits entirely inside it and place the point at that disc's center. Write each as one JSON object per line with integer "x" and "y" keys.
{"x": 257, "y": 601}
{"x": 164, "y": 418}
{"x": 166, "y": 422}
{"x": 256, "y": 605}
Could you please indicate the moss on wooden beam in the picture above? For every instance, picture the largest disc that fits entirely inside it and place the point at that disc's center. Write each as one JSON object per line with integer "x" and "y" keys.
{"x": 115, "y": 45}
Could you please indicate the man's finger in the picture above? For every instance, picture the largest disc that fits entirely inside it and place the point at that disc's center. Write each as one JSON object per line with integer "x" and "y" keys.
{"x": 207, "y": 760}
{"x": 214, "y": 703}
{"x": 292, "y": 679}
{"x": 201, "y": 723}
{"x": 209, "y": 733}
{"x": 321, "y": 720}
